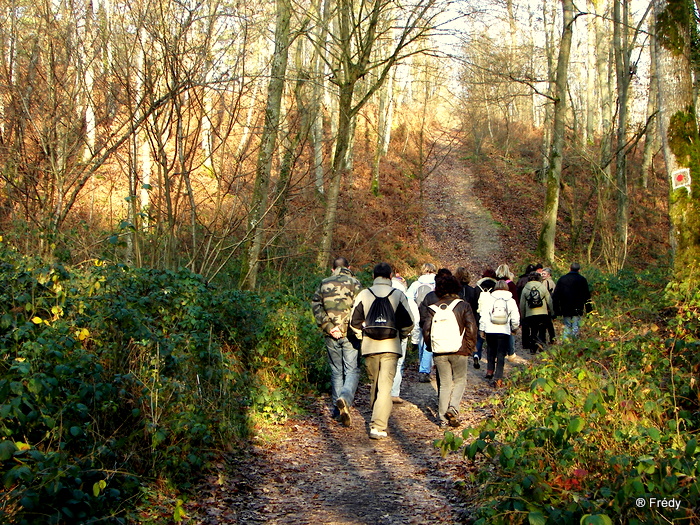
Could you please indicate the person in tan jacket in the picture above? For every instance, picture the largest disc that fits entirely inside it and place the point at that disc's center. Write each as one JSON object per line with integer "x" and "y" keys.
{"x": 536, "y": 309}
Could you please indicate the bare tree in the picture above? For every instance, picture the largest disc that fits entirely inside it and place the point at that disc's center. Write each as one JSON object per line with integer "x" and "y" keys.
{"x": 352, "y": 55}
{"x": 546, "y": 242}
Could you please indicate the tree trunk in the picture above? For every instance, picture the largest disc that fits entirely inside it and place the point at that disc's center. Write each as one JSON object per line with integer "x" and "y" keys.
{"x": 622, "y": 70}
{"x": 678, "y": 129}
{"x": 603, "y": 75}
{"x": 268, "y": 141}
{"x": 651, "y": 135}
{"x": 546, "y": 242}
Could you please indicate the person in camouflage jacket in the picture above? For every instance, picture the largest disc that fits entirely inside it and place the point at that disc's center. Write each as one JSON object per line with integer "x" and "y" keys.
{"x": 331, "y": 306}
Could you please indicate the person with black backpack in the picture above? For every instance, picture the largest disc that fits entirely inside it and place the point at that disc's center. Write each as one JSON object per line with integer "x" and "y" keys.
{"x": 536, "y": 308}
{"x": 449, "y": 330}
{"x": 381, "y": 318}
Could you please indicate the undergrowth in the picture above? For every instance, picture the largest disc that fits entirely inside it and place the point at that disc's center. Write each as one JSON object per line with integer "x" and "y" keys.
{"x": 114, "y": 380}
{"x": 600, "y": 430}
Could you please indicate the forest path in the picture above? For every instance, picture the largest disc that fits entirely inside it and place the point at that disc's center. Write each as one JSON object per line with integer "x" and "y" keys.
{"x": 315, "y": 471}
{"x": 457, "y": 228}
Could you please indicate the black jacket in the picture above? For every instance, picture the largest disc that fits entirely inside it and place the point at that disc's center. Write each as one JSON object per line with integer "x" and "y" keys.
{"x": 571, "y": 295}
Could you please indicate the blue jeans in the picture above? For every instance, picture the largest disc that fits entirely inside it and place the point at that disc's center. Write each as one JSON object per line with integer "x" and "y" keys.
{"x": 479, "y": 344}
{"x": 425, "y": 358}
{"x": 571, "y": 327}
{"x": 396, "y": 388}
{"x": 345, "y": 372}
{"x": 452, "y": 380}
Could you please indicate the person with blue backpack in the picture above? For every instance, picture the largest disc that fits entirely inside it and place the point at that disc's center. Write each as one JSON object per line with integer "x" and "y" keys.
{"x": 449, "y": 330}
{"x": 499, "y": 319}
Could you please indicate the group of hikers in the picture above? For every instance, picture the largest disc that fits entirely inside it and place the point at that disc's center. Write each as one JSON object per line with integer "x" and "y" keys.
{"x": 447, "y": 319}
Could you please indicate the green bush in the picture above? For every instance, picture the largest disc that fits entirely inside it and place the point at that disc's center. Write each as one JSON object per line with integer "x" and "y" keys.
{"x": 112, "y": 377}
{"x": 600, "y": 422}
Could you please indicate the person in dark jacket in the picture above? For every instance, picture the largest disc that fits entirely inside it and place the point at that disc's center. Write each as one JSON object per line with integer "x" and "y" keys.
{"x": 572, "y": 299}
{"x": 451, "y": 363}
{"x": 522, "y": 281}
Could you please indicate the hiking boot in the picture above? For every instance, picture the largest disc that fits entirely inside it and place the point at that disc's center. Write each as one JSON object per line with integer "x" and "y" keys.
{"x": 345, "y": 418}
{"x": 376, "y": 434}
{"x": 423, "y": 377}
{"x": 476, "y": 361}
{"x": 397, "y": 400}
{"x": 452, "y": 417}
{"x": 489, "y": 376}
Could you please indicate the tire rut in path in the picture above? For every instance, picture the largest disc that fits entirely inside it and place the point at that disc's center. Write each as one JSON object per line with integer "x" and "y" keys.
{"x": 319, "y": 472}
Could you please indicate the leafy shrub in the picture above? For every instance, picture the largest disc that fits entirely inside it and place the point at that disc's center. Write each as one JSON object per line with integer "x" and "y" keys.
{"x": 602, "y": 427}
{"x": 113, "y": 377}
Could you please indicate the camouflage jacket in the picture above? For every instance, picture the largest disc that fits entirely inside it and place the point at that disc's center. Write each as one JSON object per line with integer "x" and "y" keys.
{"x": 333, "y": 300}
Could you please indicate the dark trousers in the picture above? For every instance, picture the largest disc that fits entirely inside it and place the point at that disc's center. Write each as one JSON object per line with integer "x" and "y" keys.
{"x": 550, "y": 329}
{"x": 497, "y": 347}
{"x": 535, "y": 331}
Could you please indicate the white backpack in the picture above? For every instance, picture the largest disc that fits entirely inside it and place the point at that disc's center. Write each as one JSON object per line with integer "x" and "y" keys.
{"x": 499, "y": 311}
{"x": 445, "y": 337}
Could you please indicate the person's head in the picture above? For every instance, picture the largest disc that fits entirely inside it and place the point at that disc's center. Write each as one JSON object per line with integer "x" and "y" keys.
{"x": 534, "y": 276}
{"x": 446, "y": 285}
{"x": 503, "y": 272}
{"x": 443, "y": 271}
{"x": 428, "y": 268}
{"x": 462, "y": 275}
{"x": 546, "y": 273}
{"x": 500, "y": 285}
{"x": 340, "y": 262}
{"x": 488, "y": 272}
{"x": 397, "y": 281}
{"x": 575, "y": 267}
{"x": 382, "y": 270}
{"x": 538, "y": 267}
{"x": 396, "y": 276}
{"x": 529, "y": 269}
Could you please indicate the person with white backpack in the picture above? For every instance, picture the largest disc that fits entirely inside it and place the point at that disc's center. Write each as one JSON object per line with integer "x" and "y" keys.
{"x": 449, "y": 330}
{"x": 499, "y": 319}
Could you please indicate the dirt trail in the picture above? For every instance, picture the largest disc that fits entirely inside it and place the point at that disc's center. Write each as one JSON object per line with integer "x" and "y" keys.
{"x": 459, "y": 230}
{"x": 319, "y": 472}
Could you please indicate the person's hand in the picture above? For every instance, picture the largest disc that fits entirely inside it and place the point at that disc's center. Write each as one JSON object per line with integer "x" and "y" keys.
{"x": 336, "y": 332}
{"x": 482, "y": 334}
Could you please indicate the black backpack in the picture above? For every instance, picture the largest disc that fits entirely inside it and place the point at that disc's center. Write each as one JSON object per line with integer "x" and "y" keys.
{"x": 380, "y": 322}
{"x": 534, "y": 299}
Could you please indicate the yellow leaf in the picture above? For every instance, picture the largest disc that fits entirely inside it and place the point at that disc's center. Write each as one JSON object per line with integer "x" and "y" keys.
{"x": 83, "y": 334}
{"x": 37, "y": 320}
{"x": 22, "y": 446}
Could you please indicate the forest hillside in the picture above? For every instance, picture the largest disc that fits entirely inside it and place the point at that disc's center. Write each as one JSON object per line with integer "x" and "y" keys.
{"x": 176, "y": 179}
